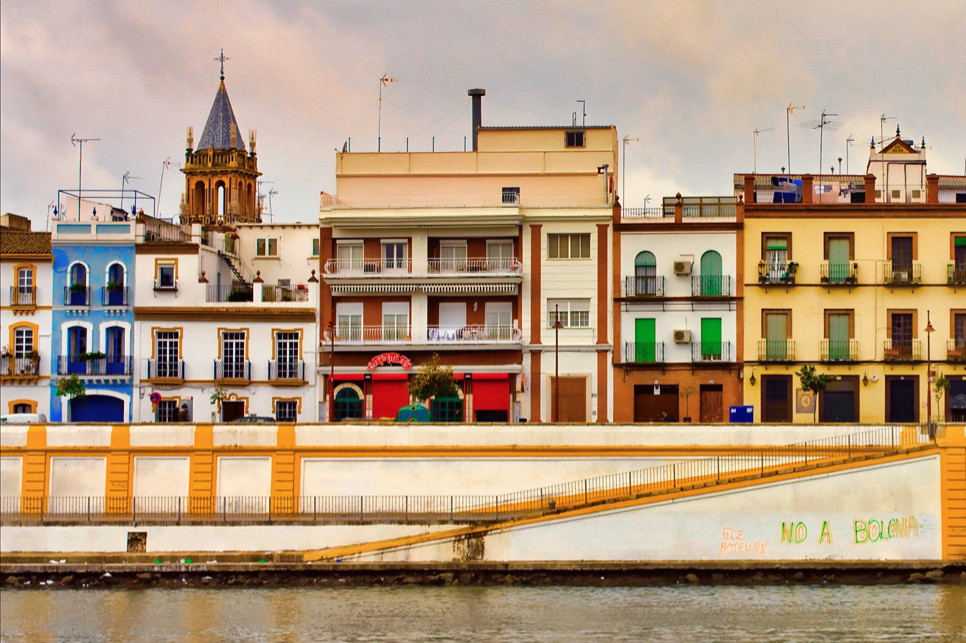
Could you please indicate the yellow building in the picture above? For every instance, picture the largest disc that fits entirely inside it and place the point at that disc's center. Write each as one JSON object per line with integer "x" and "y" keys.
{"x": 846, "y": 273}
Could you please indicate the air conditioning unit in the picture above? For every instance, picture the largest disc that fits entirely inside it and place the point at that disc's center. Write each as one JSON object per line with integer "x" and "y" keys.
{"x": 682, "y": 337}
{"x": 682, "y": 267}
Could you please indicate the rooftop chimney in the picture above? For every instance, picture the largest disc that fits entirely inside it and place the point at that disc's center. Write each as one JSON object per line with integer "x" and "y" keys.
{"x": 477, "y": 95}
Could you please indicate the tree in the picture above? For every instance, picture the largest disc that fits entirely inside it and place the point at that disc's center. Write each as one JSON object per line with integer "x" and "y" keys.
{"x": 942, "y": 385}
{"x": 71, "y": 387}
{"x": 813, "y": 382}
{"x": 433, "y": 380}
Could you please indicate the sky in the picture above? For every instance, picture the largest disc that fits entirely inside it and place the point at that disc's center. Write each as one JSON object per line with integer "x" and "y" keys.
{"x": 691, "y": 80}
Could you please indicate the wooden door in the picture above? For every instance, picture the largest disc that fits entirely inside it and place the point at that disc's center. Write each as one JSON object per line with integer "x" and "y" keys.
{"x": 712, "y": 403}
{"x": 776, "y": 391}
{"x": 232, "y": 410}
{"x": 573, "y": 399}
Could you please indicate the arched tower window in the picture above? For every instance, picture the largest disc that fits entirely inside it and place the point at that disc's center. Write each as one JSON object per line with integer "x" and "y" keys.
{"x": 222, "y": 197}
{"x": 198, "y": 200}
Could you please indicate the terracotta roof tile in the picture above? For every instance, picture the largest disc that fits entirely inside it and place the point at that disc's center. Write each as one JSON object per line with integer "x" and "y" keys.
{"x": 24, "y": 243}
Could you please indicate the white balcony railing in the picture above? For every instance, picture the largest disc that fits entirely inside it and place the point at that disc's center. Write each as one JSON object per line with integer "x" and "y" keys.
{"x": 367, "y": 267}
{"x": 476, "y": 265}
{"x": 474, "y": 334}
{"x": 369, "y": 334}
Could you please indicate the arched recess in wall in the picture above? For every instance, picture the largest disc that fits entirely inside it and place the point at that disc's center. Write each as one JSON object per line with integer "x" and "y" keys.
{"x": 198, "y": 200}
{"x": 221, "y": 196}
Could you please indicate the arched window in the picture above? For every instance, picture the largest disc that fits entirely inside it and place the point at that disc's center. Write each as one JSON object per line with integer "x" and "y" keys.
{"x": 222, "y": 198}
{"x": 78, "y": 275}
{"x": 711, "y": 279}
{"x": 76, "y": 351}
{"x": 250, "y": 200}
{"x": 347, "y": 404}
{"x": 198, "y": 199}
{"x": 645, "y": 274}
{"x": 115, "y": 350}
{"x": 77, "y": 290}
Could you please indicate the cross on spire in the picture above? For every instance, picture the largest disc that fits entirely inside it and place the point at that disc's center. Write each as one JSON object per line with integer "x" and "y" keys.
{"x": 221, "y": 59}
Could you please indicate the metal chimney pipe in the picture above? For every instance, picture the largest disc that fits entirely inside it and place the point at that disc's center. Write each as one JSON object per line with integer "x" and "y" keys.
{"x": 477, "y": 95}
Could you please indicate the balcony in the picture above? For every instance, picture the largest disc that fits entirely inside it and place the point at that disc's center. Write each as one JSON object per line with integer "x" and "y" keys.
{"x": 284, "y": 294}
{"x": 956, "y": 350}
{"x": 840, "y": 274}
{"x": 901, "y": 274}
{"x": 114, "y": 297}
{"x": 711, "y": 352}
{"x": 838, "y": 350}
{"x": 909, "y": 350}
{"x": 644, "y": 287}
{"x": 368, "y": 335}
{"x": 233, "y": 370}
{"x": 367, "y": 267}
{"x": 286, "y": 371}
{"x": 474, "y": 334}
{"x": 652, "y": 214}
{"x": 780, "y": 273}
{"x": 97, "y": 366}
{"x": 955, "y": 275}
{"x": 23, "y": 296}
{"x": 643, "y": 352}
{"x": 165, "y": 369}
{"x": 776, "y": 350}
{"x": 77, "y": 296}
{"x": 19, "y": 367}
{"x": 232, "y": 293}
{"x": 475, "y": 266}
{"x": 711, "y": 286}
{"x": 165, "y": 285}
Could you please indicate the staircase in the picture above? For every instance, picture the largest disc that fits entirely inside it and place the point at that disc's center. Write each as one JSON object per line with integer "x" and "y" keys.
{"x": 246, "y": 284}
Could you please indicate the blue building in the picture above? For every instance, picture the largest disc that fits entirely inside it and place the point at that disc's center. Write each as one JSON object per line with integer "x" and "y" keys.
{"x": 92, "y": 319}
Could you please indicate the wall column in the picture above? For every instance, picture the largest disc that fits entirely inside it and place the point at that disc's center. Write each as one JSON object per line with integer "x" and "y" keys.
{"x": 603, "y": 337}
{"x": 536, "y": 319}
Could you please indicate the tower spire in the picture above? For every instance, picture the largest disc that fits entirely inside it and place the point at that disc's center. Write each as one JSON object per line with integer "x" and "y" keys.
{"x": 221, "y": 59}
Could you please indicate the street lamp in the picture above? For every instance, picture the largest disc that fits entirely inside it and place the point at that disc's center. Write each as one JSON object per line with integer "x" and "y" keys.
{"x": 627, "y": 139}
{"x": 556, "y": 363}
{"x": 929, "y": 331}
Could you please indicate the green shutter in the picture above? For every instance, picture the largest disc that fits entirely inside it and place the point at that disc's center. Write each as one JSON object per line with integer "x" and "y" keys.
{"x": 960, "y": 242}
{"x": 711, "y": 337}
{"x": 775, "y": 244}
{"x": 776, "y": 328}
{"x": 644, "y": 334}
{"x": 838, "y": 336}
{"x": 838, "y": 260}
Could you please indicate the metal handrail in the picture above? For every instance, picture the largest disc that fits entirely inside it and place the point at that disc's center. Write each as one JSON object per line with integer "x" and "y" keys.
{"x": 901, "y": 274}
{"x": 286, "y": 369}
{"x": 19, "y": 365}
{"x": 956, "y": 275}
{"x": 644, "y": 286}
{"x": 838, "y": 350}
{"x": 232, "y": 370}
{"x": 23, "y": 295}
{"x": 367, "y": 267}
{"x": 711, "y": 352}
{"x": 711, "y": 285}
{"x": 77, "y": 297}
{"x": 475, "y": 265}
{"x": 100, "y": 366}
{"x": 956, "y": 349}
{"x": 165, "y": 369}
{"x": 474, "y": 334}
{"x": 776, "y": 350}
{"x": 839, "y": 273}
{"x": 707, "y": 472}
{"x": 909, "y": 350}
{"x": 114, "y": 296}
{"x": 362, "y": 334}
{"x": 643, "y": 352}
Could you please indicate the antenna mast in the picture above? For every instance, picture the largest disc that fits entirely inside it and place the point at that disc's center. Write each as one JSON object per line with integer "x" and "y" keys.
{"x": 882, "y": 120}
{"x": 756, "y": 132}
{"x": 74, "y": 141}
{"x": 788, "y": 137}
{"x": 583, "y": 107}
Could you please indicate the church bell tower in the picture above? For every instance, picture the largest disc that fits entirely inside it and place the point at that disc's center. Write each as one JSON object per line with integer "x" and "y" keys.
{"x": 221, "y": 176}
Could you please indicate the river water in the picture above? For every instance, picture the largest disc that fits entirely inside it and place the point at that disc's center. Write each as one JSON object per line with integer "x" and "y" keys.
{"x": 747, "y": 614}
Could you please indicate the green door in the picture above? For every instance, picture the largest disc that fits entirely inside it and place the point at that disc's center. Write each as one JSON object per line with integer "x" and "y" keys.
{"x": 711, "y": 273}
{"x": 838, "y": 337}
{"x": 776, "y": 334}
{"x": 710, "y": 338}
{"x": 838, "y": 260}
{"x": 644, "y": 346}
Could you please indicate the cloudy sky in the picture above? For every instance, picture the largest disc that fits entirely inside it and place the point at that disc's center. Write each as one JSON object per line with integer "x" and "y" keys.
{"x": 691, "y": 80}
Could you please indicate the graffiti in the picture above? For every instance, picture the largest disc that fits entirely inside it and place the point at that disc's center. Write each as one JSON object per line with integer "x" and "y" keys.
{"x": 826, "y": 535}
{"x": 733, "y": 542}
{"x": 794, "y": 532}
{"x": 876, "y": 529}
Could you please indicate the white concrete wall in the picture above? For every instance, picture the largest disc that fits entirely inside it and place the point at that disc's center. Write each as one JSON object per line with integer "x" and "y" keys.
{"x": 667, "y": 247}
{"x": 11, "y": 475}
{"x": 841, "y": 514}
{"x": 78, "y": 477}
{"x": 161, "y": 476}
{"x": 243, "y": 476}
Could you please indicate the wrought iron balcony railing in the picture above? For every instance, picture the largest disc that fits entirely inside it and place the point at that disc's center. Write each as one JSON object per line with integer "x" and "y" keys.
{"x": 644, "y": 352}
{"x": 286, "y": 369}
{"x": 475, "y": 265}
{"x": 907, "y": 350}
{"x": 474, "y": 334}
{"x": 843, "y": 274}
{"x": 102, "y": 366}
{"x": 901, "y": 274}
{"x": 23, "y": 296}
{"x": 839, "y": 350}
{"x": 165, "y": 369}
{"x": 114, "y": 296}
{"x": 782, "y": 272}
{"x": 19, "y": 366}
{"x": 956, "y": 274}
{"x": 711, "y": 352}
{"x": 776, "y": 350}
{"x": 711, "y": 285}
{"x": 956, "y": 350}
{"x": 367, "y": 267}
{"x": 233, "y": 369}
{"x": 77, "y": 296}
{"x": 647, "y": 286}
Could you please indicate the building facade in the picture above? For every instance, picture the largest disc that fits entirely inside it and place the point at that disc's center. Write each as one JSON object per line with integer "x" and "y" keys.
{"x": 870, "y": 291}
{"x": 473, "y": 256}
{"x": 92, "y": 319}
{"x": 678, "y": 289}
{"x": 25, "y": 317}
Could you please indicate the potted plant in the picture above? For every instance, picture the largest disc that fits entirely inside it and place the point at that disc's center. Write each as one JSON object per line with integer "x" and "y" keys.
{"x": 789, "y": 277}
{"x": 78, "y": 294}
{"x": 32, "y": 365}
{"x": 115, "y": 293}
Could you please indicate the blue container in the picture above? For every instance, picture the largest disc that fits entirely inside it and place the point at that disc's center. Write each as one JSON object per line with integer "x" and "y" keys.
{"x": 742, "y": 415}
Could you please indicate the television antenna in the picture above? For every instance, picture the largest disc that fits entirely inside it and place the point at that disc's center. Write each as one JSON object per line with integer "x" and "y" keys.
{"x": 848, "y": 144}
{"x": 165, "y": 164}
{"x": 261, "y": 197}
{"x": 627, "y": 139}
{"x": 788, "y": 137}
{"x": 127, "y": 178}
{"x": 583, "y": 109}
{"x": 882, "y": 120}
{"x": 822, "y": 124}
{"x": 756, "y": 132}
{"x": 75, "y": 142}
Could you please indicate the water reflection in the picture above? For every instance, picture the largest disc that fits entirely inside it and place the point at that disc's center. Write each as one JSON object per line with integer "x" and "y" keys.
{"x": 798, "y": 613}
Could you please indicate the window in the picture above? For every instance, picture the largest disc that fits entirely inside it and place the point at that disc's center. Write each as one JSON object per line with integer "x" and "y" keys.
{"x": 776, "y": 330}
{"x": 23, "y": 295}
{"x": 710, "y": 338}
{"x": 452, "y": 256}
{"x": 348, "y": 322}
{"x": 167, "y": 351}
{"x": 839, "y": 330}
{"x": 499, "y": 255}
{"x": 23, "y": 341}
{"x": 315, "y": 247}
{"x": 959, "y": 252}
{"x": 349, "y": 257}
{"x": 499, "y": 320}
{"x": 575, "y": 138}
{"x": 711, "y": 280}
{"x": 645, "y": 274}
{"x": 347, "y": 405}
{"x": 266, "y": 248}
{"x": 394, "y": 255}
{"x": 286, "y": 410}
{"x": 839, "y": 252}
{"x": 568, "y": 246}
{"x": 959, "y": 330}
{"x": 395, "y": 321}
{"x": 572, "y": 313}
{"x": 167, "y": 277}
{"x": 78, "y": 275}
{"x": 233, "y": 354}
{"x": 511, "y": 196}
{"x": 287, "y": 354}
{"x": 23, "y": 408}
{"x": 776, "y": 251}
{"x": 167, "y": 411}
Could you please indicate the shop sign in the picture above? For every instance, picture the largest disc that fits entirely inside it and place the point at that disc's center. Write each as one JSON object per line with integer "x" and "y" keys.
{"x": 390, "y": 358}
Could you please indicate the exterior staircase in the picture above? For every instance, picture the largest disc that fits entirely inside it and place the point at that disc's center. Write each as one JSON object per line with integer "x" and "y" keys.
{"x": 237, "y": 270}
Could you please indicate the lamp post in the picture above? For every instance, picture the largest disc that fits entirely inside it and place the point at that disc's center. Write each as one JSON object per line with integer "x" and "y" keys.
{"x": 556, "y": 363}
{"x": 627, "y": 139}
{"x": 331, "y": 327}
{"x": 929, "y": 332}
